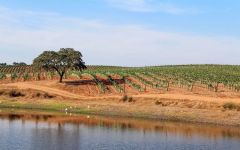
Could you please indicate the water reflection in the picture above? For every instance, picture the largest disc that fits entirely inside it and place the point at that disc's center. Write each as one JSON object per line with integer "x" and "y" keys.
{"x": 41, "y": 130}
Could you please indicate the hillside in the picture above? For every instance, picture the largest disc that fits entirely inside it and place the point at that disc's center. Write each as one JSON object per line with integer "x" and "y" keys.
{"x": 193, "y": 93}
{"x": 110, "y": 79}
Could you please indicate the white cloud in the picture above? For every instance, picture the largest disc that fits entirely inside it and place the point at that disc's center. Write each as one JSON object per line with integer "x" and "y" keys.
{"x": 24, "y": 35}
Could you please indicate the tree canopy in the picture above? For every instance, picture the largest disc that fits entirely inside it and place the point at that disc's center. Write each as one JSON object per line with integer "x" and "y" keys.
{"x": 62, "y": 61}
{"x": 19, "y": 64}
{"x": 3, "y": 64}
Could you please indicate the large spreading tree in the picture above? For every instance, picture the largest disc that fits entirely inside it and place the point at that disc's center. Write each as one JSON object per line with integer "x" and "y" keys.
{"x": 62, "y": 61}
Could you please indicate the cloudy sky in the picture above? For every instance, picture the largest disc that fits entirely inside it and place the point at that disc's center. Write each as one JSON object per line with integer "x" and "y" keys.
{"x": 123, "y": 32}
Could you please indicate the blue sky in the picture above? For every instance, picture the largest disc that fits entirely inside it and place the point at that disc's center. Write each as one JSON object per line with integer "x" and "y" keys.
{"x": 123, "y": 32}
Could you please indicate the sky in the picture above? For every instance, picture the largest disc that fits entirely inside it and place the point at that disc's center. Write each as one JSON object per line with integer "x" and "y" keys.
{"x": 123, "y": 32}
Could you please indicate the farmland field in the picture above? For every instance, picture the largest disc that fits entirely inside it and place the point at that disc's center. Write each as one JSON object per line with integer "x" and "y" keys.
{"x": 211, "y": 78}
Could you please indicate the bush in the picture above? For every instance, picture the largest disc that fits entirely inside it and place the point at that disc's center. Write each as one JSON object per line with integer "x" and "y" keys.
{"x": 15, "y": 93}
{"x": 158, "y": 103}
{"x": 130, "y": 99}
{"x": 42, "y": 95}
{"x": 231, "y": 106}
{"x": 2, "y": 76}
{"x": 46, "y": 95}
{"x": 14, "y": 76}
{"x": 26, "y": 76}
{"x": 38, "y": 94}
{"x": 125, "y": 98}
{"x": 1, "y": 92}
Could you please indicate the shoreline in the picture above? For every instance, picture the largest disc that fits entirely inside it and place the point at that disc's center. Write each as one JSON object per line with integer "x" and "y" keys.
{"x": 192, "y": 117}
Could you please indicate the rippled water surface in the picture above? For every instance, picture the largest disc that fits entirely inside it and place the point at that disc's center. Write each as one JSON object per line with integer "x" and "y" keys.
{"x": 44, "y": 131}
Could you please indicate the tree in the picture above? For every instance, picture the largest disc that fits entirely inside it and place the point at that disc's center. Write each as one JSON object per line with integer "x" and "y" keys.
{"x": 19, "y": 64}
{"x": 3, "y": 64}
{"x": 62, "y": 61}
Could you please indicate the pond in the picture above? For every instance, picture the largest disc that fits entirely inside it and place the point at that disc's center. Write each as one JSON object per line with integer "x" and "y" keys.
{"x": 30, "y": 130}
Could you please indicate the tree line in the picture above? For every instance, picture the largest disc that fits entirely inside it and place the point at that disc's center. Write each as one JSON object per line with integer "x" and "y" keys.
{"x": 13, "y": 64}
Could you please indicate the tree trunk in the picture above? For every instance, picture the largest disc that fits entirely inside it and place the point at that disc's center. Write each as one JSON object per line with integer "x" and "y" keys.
{"x": 61, "y": 77}
{"x": 60, "y": 80}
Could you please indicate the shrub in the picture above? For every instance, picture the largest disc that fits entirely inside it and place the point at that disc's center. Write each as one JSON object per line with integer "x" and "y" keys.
{"x": 38, "y": 94}
{"x": 42, "y": 95}
{"x": 125, "y": 98}
{"x": 158, "y": 103}
{"x": 231, "y": 106}
{"x": 50, "y": 75}
{"x": 46, "y": 95}
{"x": 14, "y": 76}
{"x": 2, "y": 76}
{"x": 130, "y": 99}
{"x": 26, "y": 76}
{"x": 15, "y": 93}
{"x": 1, "y": 92}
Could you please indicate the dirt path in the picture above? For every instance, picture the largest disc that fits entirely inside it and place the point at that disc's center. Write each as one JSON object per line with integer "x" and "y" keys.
{"x": 45, "y": 89}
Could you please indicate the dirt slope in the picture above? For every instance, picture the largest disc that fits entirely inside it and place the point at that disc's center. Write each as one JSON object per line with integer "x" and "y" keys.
{"x": 172, "y": 105}
{"x": 49, "y": 88}
{"x": 29, "y": 85}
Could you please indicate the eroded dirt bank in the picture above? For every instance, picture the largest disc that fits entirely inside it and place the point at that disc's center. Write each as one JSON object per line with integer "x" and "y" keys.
{"x": 178, "y": 106}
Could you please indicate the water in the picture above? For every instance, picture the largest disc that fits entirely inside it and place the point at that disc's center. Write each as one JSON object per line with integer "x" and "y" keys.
{"x": 43, "y": 131}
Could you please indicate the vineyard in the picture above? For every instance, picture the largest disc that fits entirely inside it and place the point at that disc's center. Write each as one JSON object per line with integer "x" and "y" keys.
{"x": 213, "y": 78}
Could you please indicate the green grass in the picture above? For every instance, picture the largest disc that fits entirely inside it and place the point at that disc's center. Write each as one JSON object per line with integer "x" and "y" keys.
{"x": 54, "y": 106}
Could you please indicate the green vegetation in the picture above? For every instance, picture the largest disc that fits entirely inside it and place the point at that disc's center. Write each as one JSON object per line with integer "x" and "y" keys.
{"x": 100, "y": 84}
{"x": 62, "y": 61}
{"x": 3, "y": 64}
{"x": 115, "y": 84}
{"x": 185, "y": 76}
{"x": 209, "y": 77}
{"x": 26, "y": 76}
{"x": 58, "y": 107}
{"x": 2, "y": 76}
{"x": 14, "y": 76}
{"x": 19, "y": 64}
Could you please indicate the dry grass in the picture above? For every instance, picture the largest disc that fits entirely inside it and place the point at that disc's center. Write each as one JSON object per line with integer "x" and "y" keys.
{"x": 32, "y": 94}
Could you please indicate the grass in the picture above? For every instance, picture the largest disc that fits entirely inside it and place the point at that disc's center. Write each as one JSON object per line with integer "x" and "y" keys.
{"x": 51, "y": 106}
